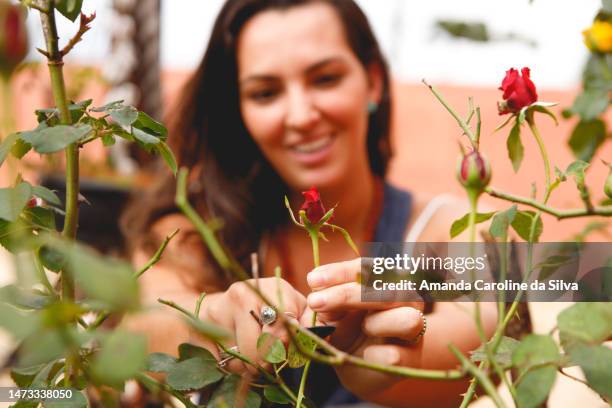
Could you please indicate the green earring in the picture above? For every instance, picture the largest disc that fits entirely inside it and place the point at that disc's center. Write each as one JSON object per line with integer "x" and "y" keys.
{"x": 372, "y": 107}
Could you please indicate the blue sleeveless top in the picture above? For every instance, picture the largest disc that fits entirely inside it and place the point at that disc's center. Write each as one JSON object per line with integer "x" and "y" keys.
{"x": 323, "y": 387}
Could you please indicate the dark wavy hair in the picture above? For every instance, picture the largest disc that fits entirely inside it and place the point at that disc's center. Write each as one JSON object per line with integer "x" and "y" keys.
{"x": 230, "y": 178}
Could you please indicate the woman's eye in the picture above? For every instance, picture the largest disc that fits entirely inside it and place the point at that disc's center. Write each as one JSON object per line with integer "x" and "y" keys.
{"x": 263, "y": 95}
{"x": 327, "y": 79}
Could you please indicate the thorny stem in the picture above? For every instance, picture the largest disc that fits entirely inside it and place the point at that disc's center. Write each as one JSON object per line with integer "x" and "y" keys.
{"x": 542, "y": 147}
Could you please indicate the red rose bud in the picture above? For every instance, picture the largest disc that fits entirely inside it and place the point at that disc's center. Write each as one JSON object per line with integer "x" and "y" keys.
{"x": 519, "y": 91}
{"x": 35, "y": 202}
{"x": 474, "y": 171}
{"x": 13, "y": 36}
{"x": 312, "y": 205}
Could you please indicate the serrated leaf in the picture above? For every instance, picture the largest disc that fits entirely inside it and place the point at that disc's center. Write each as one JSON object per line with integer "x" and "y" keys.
{"x": 193, "y": 374}
{"x": 461, "y": 224}
{"x": 125, "y": 115}
{"x": 522, "y": 223}
{"x": 228, "y": 394}
{"x": 534, "y": 387}
{"x": 6, "y": 145}
{"x": 295, "y": 359}
{"x": 150, "y": 126}
{"x": 585, "y": 322}
{"x": 46, "y": 195}
{"x": 503, "y": 354}
{"x": 69, "y": 8}
{"x": 501, "y": 222}
{"x": 270, "y": 348}
{"x": 515, "y": 147}
{"x": 51, "y": 115}
{"x": 160, "y": 362}
{"x": 586, "y": 138}
{"x": 595, "y": 361}
{"x": 188, "y": 351}
{"x": 274, "y": 394}
{"x": 165, "y": 152}
{"x": 56, "y": 138}
{"x": 122, "y": 355}
{"x": 145, "y": 137}
{"x": 13, "y": 201}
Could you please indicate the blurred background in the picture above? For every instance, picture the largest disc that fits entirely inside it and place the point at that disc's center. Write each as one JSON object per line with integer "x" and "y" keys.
{"x": 144, "y": 55}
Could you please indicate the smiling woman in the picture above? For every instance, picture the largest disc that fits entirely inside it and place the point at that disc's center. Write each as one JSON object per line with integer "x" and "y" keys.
{"x": 293, "y": 94}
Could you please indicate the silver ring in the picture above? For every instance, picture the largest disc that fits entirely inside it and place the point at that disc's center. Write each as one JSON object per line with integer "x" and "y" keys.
{"x": 225, "y": 357}
{"x": 423, "y": 329}
{"x": 267, "y": 315}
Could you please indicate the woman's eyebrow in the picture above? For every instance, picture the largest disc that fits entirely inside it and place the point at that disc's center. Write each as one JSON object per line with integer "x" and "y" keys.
{"x": 310, "y": 69}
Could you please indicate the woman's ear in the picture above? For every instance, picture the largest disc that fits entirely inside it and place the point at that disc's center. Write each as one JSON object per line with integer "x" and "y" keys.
{"x": 375, "y": 81}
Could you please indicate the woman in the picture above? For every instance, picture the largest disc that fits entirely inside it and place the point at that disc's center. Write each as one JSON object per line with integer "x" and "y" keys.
{"x": 291, "y": 94}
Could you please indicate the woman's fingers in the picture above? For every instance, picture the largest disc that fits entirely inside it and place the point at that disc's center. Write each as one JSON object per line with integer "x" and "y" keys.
{"x": 334, "y": 274}
{"x": 401, "y": 322}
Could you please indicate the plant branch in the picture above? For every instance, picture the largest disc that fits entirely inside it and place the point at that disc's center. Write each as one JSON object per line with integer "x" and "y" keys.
{"x": 559, "y": 214}
{"x": 83, "y": 28}
{"x": 157, "y": 256}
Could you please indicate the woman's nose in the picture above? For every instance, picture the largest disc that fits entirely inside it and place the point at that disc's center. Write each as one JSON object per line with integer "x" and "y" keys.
{"x": 301, "y": 114}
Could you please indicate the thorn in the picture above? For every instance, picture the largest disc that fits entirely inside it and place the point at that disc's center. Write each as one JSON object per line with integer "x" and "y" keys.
{"x": 43, "y": 52}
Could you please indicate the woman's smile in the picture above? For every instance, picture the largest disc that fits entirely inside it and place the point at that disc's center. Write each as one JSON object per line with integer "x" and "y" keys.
{"x": 312, "y": 152}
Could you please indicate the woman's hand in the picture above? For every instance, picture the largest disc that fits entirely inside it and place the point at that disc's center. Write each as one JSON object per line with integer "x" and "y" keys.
{"x": 380, "y": 332}
{"x": 232, "y": 310}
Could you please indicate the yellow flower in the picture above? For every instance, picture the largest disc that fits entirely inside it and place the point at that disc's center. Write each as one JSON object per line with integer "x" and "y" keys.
{"x": 598, "y": 37}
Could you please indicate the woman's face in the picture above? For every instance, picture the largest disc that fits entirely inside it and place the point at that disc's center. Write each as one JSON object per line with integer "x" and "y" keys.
{"x": 304, "y": 95}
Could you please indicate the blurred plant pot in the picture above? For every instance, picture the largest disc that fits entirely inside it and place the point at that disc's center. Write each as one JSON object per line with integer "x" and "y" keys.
{"x": 99, "y": 217}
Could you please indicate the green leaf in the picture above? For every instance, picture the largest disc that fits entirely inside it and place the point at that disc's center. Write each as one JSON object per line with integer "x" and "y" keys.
{"x": 20, "y": 148}
{"x": 522, "y": 225}
{"x": 188, "y": 351}
{"x": 46, "y": 195}
{"x": 209, "y": 330}
{"x": 77, "y": 400}
{"x": 44, "y": 346}
{"x": 295, "y": 359}
{"x": 145, "y": 137}
{"x": 56, "y": 138}
{"x": 591, "y": 103}
{"x": 110, "y": 283}
{"x": 229, "y": 394}
{"x": 69, "y": 8}
{"x": 534, "y": 387}
{"x": 42, "y": 218}
{"x": 165, "y": 152}
{"x": 6, "y": 145}
{"x": 150, "y": 126}
{"x": 23, "y": 376}
{"x": 108, "y": 140}
{"x": 26, "y": 298}
{"x": 109, "y": 106}
{"x": 14, "y": 236}
{"x": 461, "y": 224}
{"x": 51, "y": 259}
{"x": 501, "y": 222}
{"x": 122, "y": 355}
{"x": 125, "y": 115}
{"x": 270, "y": 348}
{"x": 19, "y": 323}
{"x": 51, "y": 116}
{"x": 274, "y": 394}
{"x": 595, "y": 361}
{"x": 14, "y": 200}
{"x": 41, "y": 380}
{"x": 550, "y": 265}
{"x": 160, "y": 362}
{"x": 586, "y": 138}
{"x": 515, "y": 147}
{"x": 585, "y": 322}
{"x": 542, "y": 107}
{"x": 193, "y": 374}
{"x": 503, "y": 354}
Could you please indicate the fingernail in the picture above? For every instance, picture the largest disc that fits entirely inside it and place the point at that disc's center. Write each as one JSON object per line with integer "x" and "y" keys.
{"x": 315, "y": 279}
{"x": 316, "y": 300}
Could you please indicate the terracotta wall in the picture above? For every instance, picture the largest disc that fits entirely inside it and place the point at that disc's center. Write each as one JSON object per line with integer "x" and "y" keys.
{"x": 424, "y": 135}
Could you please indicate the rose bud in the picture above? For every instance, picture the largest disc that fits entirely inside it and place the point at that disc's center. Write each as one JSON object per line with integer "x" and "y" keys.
{"x": 474, "y": 171}
{"x": 519, "y": 91}
{"x": 13, "y": 36}
{"x": 312, "y": 205}
{"x": 35, "y": 202}
{"x": 598, "y": 37}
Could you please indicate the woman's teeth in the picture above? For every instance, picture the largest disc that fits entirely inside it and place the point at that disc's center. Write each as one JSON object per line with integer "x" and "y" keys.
{"x": 313, "y": 146}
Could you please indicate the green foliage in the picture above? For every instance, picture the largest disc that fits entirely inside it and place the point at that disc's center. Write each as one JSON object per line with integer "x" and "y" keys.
{"x": 230, "y": 394}
{"x": 585, "y": 322}
{"x": 69, "y": 8}
{"x": 501, "y": 222}
{"x": 523, "y": 222}
{"x": 270, "y": 348}
{"x": 503, "y": 354}
{"x": 14, "y": 200}
{"x": 276, "y": 395}
{"x": 515, "y": 147}
{"x": 160, "y": 362}
{"x": 595, "y": 361}
{"x": 53, "y": 139}
{"x": 461, "y": 224}
{"x": 586, "y": 138}
{"x": 295, "y": 358}
{"x": 193, "y": 374}
{"x": 122, "y": 355}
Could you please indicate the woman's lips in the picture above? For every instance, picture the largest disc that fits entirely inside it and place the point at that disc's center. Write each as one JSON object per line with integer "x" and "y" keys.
{"x": 314, "y": 151}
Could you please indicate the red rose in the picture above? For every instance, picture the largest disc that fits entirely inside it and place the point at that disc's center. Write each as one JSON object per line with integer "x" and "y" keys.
{"x": 13, "y": 36}
{"x": 519, "y": 91}
{"x": 312, "y": 205}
